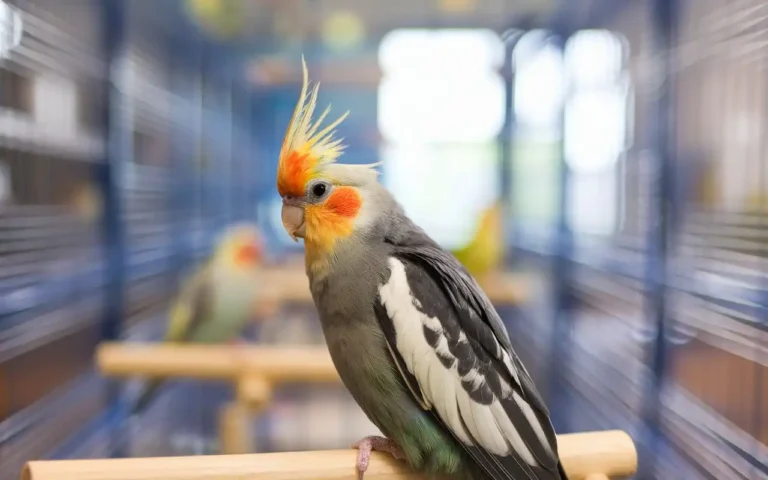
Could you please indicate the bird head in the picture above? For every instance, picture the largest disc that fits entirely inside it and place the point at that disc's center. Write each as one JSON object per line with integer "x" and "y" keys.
{"x": 241, "y": 246}
{"x": 323, "y": 201}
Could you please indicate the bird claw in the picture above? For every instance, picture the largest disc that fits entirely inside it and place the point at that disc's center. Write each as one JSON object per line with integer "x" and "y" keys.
{"x": 374, "y": 443}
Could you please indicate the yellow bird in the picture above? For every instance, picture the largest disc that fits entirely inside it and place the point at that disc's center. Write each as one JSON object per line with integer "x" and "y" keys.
{"x": 484, "y": 252}
{"x": 221, "y": 18}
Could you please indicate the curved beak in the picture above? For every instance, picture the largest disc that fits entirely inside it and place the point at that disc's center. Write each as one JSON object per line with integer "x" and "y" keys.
{"x": 293, "y": 221}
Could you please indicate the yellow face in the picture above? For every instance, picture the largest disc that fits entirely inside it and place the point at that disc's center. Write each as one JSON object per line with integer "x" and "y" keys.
{"x": 322, "y": 214}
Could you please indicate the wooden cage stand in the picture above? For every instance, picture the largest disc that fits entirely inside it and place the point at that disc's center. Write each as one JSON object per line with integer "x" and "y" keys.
{"x": 255, "y": 372}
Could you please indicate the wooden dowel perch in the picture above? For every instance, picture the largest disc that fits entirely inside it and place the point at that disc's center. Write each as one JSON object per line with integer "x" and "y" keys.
{"x": 584, "y": 455}
{"x": 504, "y": 288}
{"x": 272, "y": 364}
{"x": 255, "y": 371}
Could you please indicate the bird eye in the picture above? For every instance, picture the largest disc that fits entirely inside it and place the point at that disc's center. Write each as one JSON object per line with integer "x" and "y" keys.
{"x": 319, "y": 189}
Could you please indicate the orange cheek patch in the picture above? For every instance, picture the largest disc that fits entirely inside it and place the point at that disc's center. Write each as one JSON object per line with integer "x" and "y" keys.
{"x": 344, "y": 202}
{"x": 332, "y": 219}
{"x": 293, "y": 173}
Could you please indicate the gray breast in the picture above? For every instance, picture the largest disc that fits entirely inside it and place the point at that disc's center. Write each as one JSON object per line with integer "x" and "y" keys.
{"x": 346, "y": 293}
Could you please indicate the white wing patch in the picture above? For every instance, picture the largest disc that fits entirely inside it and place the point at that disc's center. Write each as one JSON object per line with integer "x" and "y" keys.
{"x": 473, "y": 423}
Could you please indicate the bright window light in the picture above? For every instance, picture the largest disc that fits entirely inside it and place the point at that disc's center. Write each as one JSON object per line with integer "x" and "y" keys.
{"x": 592, "y": 206}
{"x": 594, "y": 57}
{"x": 528, "y": 46}
{"x": 441, "y": 108}
{"x": 11, "y": 26}
{"x": 595, "y": 130}
{"x": 443, "y": 188}
{"x": 441, "y": 85}
{"x": 456, "y": 50}
{"x": 539, "y": 88}
{"x": 595, "y": 116}
{"x": 418, "y": 107}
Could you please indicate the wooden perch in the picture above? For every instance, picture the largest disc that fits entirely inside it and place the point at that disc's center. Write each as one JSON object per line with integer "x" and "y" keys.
{"x": 290, "y": 284}
{"x": 584, "y": 455}
{"x": 255, "y": 371}
{"x": 272, "y": 364}
{"x": 504, "y": 288}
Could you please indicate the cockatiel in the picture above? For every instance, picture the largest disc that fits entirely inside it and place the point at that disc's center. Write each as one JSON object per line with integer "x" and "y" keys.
{"x": 216, "y": 303}
{"x": 412, "y": 335}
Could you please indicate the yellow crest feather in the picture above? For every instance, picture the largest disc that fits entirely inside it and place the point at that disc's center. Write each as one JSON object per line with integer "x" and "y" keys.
{"x": 303, "y": 135}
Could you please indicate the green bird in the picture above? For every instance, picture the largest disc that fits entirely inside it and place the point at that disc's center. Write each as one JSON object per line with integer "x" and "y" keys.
{"x": 413, "y": 337}
{"x": 217, "y": 301}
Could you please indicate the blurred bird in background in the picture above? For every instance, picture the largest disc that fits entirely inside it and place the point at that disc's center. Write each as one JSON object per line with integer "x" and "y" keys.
{"x": 414, "y": 338}
{"x": 222, "y": 18}
{"x": 484, "y": 252}
{"x": 218, "y": 301}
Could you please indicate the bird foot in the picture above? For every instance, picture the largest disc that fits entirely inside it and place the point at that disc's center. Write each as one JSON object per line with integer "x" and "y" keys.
{"x": 374, "y": 443}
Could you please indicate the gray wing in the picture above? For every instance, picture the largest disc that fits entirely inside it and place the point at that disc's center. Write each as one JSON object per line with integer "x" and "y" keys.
{"x": 453, "y": 352}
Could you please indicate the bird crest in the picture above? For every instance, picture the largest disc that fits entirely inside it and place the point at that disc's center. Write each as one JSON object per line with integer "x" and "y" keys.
{"x": 306, "y": 146}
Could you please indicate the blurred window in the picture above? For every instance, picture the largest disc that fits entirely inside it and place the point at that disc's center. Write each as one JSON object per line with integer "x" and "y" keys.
{"x": 595, "y": 128}
{"x": 441, "y": 109}
{"x": 590, "y": 77}
{"x": 15, "y": 88}
{"x": 11, "y": 28}
{"x": 539, "y": 89}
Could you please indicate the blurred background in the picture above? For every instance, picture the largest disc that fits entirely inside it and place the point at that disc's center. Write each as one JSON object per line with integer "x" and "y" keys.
{"x": 610, "y": 153}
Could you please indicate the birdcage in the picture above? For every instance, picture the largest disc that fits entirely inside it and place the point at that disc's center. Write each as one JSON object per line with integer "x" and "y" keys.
{"x": 655, "y": 229}
{"x": 628, "y": 144}
{"x": 106, "y": 166}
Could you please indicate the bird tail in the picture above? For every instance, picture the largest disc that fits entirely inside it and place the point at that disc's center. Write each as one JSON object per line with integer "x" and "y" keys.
{"x": 146, "y": 397}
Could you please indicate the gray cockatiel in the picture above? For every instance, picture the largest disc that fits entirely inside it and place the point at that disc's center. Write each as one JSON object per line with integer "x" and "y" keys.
{"x": 414, "y": 338}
